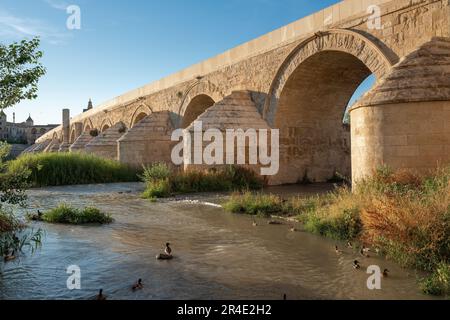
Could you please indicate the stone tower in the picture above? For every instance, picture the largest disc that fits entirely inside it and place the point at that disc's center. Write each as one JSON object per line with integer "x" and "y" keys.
{"x": 30, "y": 121}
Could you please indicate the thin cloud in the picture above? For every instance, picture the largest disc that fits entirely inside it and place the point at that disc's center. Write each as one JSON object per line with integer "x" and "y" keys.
{"x": 57, "y": 4}
{"x": 14, "y": 27}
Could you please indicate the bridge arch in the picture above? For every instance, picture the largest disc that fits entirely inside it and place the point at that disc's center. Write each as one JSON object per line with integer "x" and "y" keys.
{"x": 56, "y": 137}
{"x": 106, "y": 124}
{"x": 139, "y": 114}
{"x": 195, "y": 107}
{"x": 308, "y": 98}
{"x": 199, "y": 96}
{"x": 73, "y": 136}
{"x": 87, "y": 125}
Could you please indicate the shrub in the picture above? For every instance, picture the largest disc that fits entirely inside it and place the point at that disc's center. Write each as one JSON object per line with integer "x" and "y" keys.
{"x": 254, "y": 204}
{"x": 155, "y": 172}
{"x": 55, "y": 169}
{"x": 157, "y": 189}
{"x": 66, "y": 214}
{"x": 438, "y": 284}
{"x": 162, "y": 181}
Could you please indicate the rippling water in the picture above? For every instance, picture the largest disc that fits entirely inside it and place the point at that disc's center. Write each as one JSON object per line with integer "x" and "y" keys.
{"x": 217, "y": 255}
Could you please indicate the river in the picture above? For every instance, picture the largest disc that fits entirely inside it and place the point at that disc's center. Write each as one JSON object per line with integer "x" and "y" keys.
{"x": 218, "y": 255}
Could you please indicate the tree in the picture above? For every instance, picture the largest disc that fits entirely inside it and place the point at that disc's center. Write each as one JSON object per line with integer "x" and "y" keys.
{"x": 20, "y": 70}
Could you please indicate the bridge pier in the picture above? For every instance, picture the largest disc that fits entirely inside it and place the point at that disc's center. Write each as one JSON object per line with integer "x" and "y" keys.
{"x": 149, "y": 141}
{"x": 235, "y": 112}
{"x": 80, "y": 143}
{"x": 105, "y": 144}
{"x": 403, "y": 122}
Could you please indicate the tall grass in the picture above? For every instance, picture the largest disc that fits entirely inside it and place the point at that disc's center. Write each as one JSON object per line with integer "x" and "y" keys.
{"x": 56, "y": 169}
{"x": 255, "y": 204}
{"x": 162, "y": 181}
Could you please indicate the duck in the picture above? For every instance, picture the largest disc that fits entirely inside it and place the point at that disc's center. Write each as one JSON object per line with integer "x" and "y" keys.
{"x": 337, "y": 250}
{"x": 293, "y": 229}
{"x": 10, "y": 257}
{"x": 356, "y": 265}
{"x": 349, "y": 245}
{"x": 364, "y": 252}
{"x": 100, "y": 296}
{"x": 254, "y": 223}
{"x": 386, "y": 273}
{"x": 36, "y": 217}
{"x": 168, "y": 249}
{"x": 138, "y": 285}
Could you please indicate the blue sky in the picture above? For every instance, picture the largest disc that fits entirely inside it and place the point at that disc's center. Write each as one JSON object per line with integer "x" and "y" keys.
{"x": 123, "y": 45}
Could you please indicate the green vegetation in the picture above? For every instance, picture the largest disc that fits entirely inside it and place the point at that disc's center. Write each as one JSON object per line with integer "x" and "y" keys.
{"x": 66, "y": 214}
{"x": 20, "y": 71}
{"x": 255, "y": 204}
{"x": 163, "y": 182}
{"x": 13, "y": 236}
{"x": 56, "y": 169}
{"x": 438, "y": 284}
{"x": 404, "y": 215}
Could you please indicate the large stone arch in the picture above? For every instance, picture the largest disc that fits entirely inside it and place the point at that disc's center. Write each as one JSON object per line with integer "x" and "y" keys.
{"x": 308, "y": 98}
{"x": 142, "y": 111}
{"x": 197, "y": 105}
{"x": 342, "y": 40}
{"x": 197, "y": 99}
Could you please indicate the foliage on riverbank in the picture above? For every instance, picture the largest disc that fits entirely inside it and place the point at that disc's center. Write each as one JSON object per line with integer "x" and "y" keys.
{"x": 161, "y": 181}
{"x": 56, "y": 169}
{"x": 13, "y": 236}
{"x": 403, "y": 214}
{"x": 66, "y": 214}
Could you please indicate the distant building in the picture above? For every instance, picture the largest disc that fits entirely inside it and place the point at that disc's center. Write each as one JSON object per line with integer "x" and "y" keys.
{"x": 89, "y": 107}
{"x": 21, "y": 133}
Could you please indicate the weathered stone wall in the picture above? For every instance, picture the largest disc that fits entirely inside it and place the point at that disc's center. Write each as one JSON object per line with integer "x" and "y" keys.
{"x": 404, "y": 136}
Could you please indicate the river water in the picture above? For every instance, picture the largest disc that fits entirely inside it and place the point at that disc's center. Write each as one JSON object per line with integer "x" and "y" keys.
{"x": 217, "y": 255}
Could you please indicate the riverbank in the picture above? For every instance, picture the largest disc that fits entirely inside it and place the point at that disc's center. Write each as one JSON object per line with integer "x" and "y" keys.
{"x": 217, "y": 255}
{"x": 401, "y": 215}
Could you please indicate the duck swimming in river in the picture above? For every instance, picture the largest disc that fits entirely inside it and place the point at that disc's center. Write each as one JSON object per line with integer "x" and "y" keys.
{"x": 356, "y": 265}
{"x": 336, "y": 248}
{"x": 364, "y": 252}
{"x": 138, "y": 285}
{"x": 167, "y": 255}
{"x": 386, "y": 273}
{"x": 100, "y": 296}
{"x": 10, "y": 256}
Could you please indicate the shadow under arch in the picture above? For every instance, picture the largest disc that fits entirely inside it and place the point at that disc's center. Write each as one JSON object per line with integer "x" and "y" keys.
{"x": 308, "y": 97}
{"x": 196, "y": 106}
{"x": 139, "y": 114}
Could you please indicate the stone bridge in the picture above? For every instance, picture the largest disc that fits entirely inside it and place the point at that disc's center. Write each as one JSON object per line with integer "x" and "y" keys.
{"x": 299, "y": 79}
